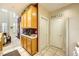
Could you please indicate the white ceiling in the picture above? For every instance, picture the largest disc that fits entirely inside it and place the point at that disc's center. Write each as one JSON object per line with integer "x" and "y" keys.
{"x": 53, "y": 6}
{"x": 16, "y": 7}
{"x": 19, "y": 7}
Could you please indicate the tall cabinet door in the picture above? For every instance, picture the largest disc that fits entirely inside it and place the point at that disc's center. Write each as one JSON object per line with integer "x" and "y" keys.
{"x": 34, "y": 17}
{"x": 28, "y": 21}
{"x": 24, "y": 18}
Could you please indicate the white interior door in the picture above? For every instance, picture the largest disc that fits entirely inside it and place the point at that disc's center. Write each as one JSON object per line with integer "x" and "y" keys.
{"x": 57, "y": 32}
{"x": 43, "y": 32}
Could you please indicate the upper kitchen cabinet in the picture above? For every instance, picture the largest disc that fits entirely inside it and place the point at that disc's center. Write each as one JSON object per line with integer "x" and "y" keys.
{"x": 29, "y": 17}
{"x": 34, "y": 17}
{"x": 23, "y": 20}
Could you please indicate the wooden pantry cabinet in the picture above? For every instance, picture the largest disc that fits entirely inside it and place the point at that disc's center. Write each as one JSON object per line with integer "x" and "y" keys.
{"x": 29, "y": 18}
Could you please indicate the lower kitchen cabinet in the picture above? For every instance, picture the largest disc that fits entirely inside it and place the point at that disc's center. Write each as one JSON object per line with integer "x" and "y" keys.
{"x": 34, "y": 46}
{"x": 22, "y": 41}
{"x": 29, "y": 44}
{"x": 25, "y": 42}
{"x": 1, "y": 46}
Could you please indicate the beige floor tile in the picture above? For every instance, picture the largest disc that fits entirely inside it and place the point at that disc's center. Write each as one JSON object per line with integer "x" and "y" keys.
{"x": 60, "y": 53}
{"x": 38, "y": 54}
{"x": 50, "y": 52}
{"x": 23, "y": 52}
{"x": 44, "y": 51}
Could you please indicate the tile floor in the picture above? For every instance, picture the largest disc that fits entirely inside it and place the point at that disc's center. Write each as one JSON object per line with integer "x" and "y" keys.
{"x": 49, "y": 51}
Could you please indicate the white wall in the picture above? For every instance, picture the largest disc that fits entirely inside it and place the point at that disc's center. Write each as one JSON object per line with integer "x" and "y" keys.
{"x": 71, "y": 15}
{"x": 73, "y": 33}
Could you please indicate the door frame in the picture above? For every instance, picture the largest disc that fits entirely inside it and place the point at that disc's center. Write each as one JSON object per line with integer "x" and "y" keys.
{"x": 67, "y": 36}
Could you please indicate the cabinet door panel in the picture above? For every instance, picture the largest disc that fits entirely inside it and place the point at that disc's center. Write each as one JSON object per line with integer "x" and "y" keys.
{"x": 29, "y": 45}
{"x": 24, "y": 18}
{"x": 29, "y": 18}
{"x": 34, "y": 46}
{"x": 22, "y": 41}
{"x": 25, "y": 42}
{"x": 34, "y": 17}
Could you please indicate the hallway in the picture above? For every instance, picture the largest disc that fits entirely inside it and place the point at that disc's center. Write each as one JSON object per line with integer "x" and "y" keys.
{"x": 28, "y": 36}
{"x": 39, "y": 29}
